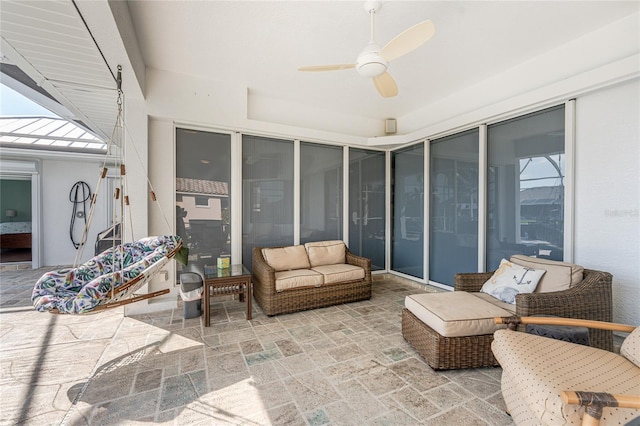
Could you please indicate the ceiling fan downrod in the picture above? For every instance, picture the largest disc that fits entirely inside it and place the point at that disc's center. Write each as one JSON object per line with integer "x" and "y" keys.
{"x": 370, "y": 63}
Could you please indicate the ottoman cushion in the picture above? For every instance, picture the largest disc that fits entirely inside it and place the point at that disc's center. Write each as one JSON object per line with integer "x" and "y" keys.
{"x": 497, "y": 302}
{"x": 456, "y": 313}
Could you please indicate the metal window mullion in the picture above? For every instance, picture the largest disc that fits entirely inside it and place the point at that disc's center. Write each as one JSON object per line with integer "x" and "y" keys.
{"x": 483, "y": 176}
{"x": 569, "y": 179}
{"x": 236, "y": 197}
{"x": 296, "y": 192}
{"x": 387, "y": 202}
{"x": 426, "y": 213}
{"x": 345, "y": 195}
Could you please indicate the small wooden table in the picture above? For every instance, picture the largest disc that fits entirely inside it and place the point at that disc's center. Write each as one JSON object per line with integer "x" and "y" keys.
{"x": 236, "y": 279}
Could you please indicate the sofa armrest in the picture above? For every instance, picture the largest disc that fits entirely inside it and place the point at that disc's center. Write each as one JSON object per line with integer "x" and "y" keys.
{"x": 470, "y": 282}
{"x": 360, "y": 261}
{"x": 263, "y": 275}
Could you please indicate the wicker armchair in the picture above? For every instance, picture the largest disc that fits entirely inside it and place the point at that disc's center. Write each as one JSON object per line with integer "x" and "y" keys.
{"x": 591, "y": 299}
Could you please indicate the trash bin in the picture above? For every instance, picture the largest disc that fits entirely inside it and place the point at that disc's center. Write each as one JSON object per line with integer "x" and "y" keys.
{"x": 191, "y": 294}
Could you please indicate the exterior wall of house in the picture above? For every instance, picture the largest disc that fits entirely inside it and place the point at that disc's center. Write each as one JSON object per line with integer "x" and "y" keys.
{"x": 607, "y": 201}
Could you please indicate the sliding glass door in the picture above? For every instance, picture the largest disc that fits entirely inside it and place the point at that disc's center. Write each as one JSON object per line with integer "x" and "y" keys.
{"x": 267, "y": 194}
{"x": 453, "y": 226}
{"x": 526, "y": 173}
{"x": 203, "y": 180}
{"x": 407, "y": 168}
{"x": 367, "y": 205}
{"x": 320, "y": 192}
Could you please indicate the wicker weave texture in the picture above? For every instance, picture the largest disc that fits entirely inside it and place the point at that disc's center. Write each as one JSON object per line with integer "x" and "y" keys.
{"x": 300, "y": 299}
{"x": 447, "y": 353}
{"x": 589, "y": 299}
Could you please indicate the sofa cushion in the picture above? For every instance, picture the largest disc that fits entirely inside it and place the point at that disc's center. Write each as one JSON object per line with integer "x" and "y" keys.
{"x": 286, "y": 258}
{"x": 326, "y": 252}
{"x": 340, "y": 272}
{"x": 455, "y": 314}
{"x": 630, "y": 348}
{"x": 559, "y": 276}
{"x": 540, "y": 368}
{"x": 298, "y": 278}
{"x": 511, "y": 279}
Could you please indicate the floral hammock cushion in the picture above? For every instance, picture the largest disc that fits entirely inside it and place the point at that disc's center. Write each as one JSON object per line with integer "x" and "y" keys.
{"x": 81, "y": 289}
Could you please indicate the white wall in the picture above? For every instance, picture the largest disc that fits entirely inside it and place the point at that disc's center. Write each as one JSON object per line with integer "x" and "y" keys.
{"x": 58, "y": 177}
{"x": 607, "y": 222}
{"x": 190, "y": 100}
{"x": 595, "y": 60}
{"x": 161, "y": 215}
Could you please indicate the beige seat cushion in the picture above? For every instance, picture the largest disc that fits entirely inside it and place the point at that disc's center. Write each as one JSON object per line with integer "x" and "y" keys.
{"x": 559, "y": 276}
{"x": 540, "y": 368}
{"x": 286, "y": 258}
{"x": 298, "y": 278}
{"x": 326, "y": 252}
{"x": 456, "y": 313}
{"x": 340, "y": 273}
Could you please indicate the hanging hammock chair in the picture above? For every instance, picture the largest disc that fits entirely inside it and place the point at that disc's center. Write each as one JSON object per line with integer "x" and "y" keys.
{"x": 106, "y": 281}
{"x": 111, "y": 278}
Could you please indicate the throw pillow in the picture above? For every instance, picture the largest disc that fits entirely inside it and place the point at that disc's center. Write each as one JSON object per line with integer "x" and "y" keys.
{"x": 511, "y": 279}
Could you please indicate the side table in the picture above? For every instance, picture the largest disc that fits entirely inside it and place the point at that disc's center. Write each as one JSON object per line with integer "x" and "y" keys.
{"x": 236, "y": 279}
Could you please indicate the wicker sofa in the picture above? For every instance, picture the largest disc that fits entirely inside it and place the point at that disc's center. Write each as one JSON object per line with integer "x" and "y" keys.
{"x": 314, "y": 275}
{"x": 589, "y": 297}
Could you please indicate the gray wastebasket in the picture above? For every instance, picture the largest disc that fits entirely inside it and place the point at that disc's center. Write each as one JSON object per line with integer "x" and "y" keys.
{"x": 190, "y": 283}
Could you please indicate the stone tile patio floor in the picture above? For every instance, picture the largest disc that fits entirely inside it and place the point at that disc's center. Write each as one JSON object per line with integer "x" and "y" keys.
{"x": 342, "y": 365}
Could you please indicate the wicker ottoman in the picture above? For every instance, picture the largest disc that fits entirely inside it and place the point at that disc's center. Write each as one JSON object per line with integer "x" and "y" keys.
{"x": 455, "y": 349}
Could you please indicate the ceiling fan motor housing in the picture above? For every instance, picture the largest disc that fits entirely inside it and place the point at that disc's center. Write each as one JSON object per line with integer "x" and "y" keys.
{"x": 370, "y": 63}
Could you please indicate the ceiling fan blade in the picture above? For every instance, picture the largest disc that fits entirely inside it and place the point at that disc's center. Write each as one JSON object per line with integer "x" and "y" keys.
{"x": 385, "y": 85}
{"x": 327, "y": 67}
{"x": 408, "y": 40}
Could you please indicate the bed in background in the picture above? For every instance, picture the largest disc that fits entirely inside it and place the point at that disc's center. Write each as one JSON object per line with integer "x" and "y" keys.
{"x": 15, "y": 235}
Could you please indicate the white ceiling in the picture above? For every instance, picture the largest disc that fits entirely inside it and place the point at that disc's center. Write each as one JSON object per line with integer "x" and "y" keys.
{"x": 260, "y": 45}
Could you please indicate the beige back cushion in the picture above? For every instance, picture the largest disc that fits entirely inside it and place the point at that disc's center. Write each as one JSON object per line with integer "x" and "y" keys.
{"x": 286, "y": 258}
{"x": 630, "y": 348}
{"x": 326, "y": 252}
{"x": 559, "y": 276}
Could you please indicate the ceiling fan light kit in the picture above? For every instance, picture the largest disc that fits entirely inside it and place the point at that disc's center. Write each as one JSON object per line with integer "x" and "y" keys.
{"x": 370, "y": 63}
{"x": 373, "y": 61}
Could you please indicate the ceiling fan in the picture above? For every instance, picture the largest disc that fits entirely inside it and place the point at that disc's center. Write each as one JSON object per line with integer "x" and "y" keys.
{"x": 372, "y": 62}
